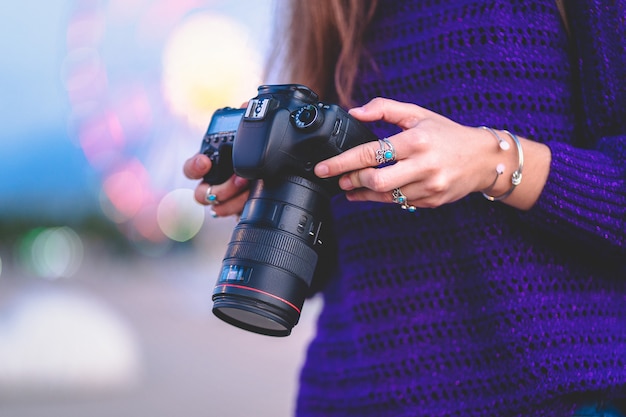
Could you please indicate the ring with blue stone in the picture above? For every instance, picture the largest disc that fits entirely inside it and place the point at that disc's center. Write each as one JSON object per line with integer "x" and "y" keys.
{"x": 401, "y": 199}
{"x": 386, "y": 153}
{"x": 210, "y": 197}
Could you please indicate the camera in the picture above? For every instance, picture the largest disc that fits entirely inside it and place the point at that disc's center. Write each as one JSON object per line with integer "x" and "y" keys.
{"x": 276, "y": 248}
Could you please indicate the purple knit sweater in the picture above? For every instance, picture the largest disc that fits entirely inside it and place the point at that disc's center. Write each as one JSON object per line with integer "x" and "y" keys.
{"x": 476, "y": 308}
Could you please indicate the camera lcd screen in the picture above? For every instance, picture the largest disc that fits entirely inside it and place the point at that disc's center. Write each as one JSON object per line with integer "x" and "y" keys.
{"x": 225, "y": 122}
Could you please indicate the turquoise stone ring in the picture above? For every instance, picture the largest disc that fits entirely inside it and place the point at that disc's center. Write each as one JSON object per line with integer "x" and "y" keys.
{"x": 386, "y": 153}
{"x": 401, "y": 199}
{"x": 210, "y": 197}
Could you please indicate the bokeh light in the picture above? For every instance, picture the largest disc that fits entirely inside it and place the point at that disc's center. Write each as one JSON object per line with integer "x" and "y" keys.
{"x": 127, "y": 189}
{"x": 180, "y": 218}
{"x": 80, "y": 68}
{"x": 51, "y": 253}
{"x": 138, "y": 118}
{"x": 208, "y": 61}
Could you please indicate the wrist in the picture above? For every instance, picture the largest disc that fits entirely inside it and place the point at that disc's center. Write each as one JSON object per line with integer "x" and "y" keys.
{"x": 506, "y": 162}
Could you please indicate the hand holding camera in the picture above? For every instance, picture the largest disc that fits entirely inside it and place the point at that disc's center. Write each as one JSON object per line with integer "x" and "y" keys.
{"x": 231, "y": 195}
{"x": 273, "y": 254}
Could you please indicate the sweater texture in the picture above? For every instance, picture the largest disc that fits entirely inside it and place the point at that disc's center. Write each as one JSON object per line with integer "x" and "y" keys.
{"x": 476, "y": 308}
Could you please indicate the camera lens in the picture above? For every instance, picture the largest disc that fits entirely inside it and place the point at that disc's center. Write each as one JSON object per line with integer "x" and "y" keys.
{"x": 271, "y": 257}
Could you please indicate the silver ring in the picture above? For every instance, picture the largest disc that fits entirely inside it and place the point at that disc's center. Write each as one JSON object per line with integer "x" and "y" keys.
{"x": 401, "y": 199}
{"x": 210, "y": 197}
{"x": 386, "y": 153}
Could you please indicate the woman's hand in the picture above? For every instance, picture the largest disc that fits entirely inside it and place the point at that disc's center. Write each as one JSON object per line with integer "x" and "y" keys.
{"x": 438, "y": 161}
{"x": 227, "y": 198}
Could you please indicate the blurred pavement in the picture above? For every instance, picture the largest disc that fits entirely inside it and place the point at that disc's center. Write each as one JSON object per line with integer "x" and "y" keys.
{"x": 168, "y": 355}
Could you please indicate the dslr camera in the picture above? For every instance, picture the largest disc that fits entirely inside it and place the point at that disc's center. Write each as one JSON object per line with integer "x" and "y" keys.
{"x": 275, "y": 248}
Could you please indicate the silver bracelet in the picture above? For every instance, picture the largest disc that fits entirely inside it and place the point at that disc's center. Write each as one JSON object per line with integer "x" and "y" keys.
{"x": 516, "y": 177}
{"x": 504, "y": 145}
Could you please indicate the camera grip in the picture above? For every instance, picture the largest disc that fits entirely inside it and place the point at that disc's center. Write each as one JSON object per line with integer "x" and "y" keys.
{"x": 221, "y": 163}
{"x": 218, "y": 141}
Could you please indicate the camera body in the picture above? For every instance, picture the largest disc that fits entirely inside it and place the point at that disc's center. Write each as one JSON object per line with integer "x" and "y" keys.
{"x": 273, "y": 254}
{"x": 285, "y": 129}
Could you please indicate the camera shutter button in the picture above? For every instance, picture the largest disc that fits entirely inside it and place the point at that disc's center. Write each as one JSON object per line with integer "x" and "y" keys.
{"x": 307, "y": 117}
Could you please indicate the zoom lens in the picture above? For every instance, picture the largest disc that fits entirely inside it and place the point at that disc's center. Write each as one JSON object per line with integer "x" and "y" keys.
{"x": 272, "y": 255}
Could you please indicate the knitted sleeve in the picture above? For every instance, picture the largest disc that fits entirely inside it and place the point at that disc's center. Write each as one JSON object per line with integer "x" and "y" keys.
{"x": 584, "y": 198}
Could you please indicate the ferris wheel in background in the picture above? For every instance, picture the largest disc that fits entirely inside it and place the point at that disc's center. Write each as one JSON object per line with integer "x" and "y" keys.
{"x": 143, "y": 78}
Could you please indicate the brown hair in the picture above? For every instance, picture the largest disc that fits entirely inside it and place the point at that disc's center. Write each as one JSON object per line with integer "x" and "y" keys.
{"x": 320, "y": 44}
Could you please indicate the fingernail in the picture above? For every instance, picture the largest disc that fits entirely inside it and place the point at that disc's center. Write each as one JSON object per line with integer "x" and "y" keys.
{"x": 356, "y": 110}
{"x": 321, "y": 170}
{"x": 213, "y": 214}
{"x": 200, "y": 164}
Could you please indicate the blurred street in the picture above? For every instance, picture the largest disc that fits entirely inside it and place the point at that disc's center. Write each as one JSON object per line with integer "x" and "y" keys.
{"x": 133, "y": 335}
{"x": 107, "y": 264}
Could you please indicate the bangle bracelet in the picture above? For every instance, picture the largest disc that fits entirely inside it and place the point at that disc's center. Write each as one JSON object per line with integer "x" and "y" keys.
{"x": 504, "y": 145}
{"x": 516, "y": 177}
{"x": 499, "y": 171}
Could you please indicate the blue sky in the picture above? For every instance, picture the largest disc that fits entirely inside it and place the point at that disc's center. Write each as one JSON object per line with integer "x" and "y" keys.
{"x": 39, "y": 165}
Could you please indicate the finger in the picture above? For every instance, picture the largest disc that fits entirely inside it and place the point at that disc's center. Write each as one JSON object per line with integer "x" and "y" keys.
{"x": 234, "y": 206}
{"x": 197, "y": 166}
{"x": 201, "y": 192}
{"x": 359, "y": 157}
{"x": 383, "y": 179}
{"x": 414, "y": 194}
{"x": 365, "y": 194}
{"x": 404, "y": 115}
{"x": 404, "y": 144}
{"x": 214, "y": 195}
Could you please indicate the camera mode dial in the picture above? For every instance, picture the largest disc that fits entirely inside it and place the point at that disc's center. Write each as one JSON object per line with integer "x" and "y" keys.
{"x": 307, "y": 117}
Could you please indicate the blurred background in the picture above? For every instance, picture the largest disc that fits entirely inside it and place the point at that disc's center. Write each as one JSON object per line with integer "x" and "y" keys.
{"x": 106, "y": 262}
